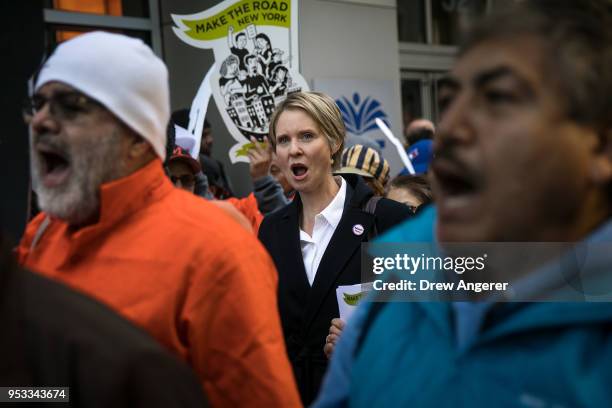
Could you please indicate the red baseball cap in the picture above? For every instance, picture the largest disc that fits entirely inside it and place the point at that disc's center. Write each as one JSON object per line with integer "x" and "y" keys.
{"x": 180, "y": 154}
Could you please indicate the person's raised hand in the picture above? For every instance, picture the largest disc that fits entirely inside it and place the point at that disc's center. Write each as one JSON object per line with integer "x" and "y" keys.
{"x": 260, "y": 158}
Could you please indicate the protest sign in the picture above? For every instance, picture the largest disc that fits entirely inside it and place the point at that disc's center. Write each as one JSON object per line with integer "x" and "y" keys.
{"x": 255, "y": 45}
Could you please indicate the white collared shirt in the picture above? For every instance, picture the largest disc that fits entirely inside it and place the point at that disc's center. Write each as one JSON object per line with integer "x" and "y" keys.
{"x": 325, "y": 224}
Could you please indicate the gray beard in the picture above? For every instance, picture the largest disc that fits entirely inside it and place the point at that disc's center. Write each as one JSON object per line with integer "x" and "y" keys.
{"x": 92, "y": 163}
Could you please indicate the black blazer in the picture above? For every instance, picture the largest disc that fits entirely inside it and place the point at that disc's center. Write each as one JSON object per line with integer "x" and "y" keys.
{"x": 306, "y": 312}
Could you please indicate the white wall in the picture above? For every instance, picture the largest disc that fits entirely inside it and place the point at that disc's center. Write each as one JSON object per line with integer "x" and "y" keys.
{"x": 348, "y": 40}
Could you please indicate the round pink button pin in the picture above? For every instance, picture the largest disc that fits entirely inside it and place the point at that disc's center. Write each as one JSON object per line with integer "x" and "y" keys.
{"x": 358, "y": 229}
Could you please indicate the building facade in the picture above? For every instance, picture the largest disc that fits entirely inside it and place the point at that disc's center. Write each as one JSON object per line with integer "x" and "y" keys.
{"x": 409, "y": 42}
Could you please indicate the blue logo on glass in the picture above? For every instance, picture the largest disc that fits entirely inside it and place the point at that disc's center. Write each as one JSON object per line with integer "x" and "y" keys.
{"x": 359, "y": 115}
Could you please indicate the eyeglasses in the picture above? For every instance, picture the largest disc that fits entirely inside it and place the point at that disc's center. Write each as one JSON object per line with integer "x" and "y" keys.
{"x": 186, "y": 180}
{"x": 62, "y": 105}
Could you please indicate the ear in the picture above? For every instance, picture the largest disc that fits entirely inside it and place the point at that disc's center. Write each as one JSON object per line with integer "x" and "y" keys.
{"x": 601, "y": 165}
{"x": 139, "y": 148}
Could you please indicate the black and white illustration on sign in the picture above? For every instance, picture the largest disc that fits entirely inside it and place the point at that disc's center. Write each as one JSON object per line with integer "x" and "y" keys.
{"x": 252, "y": 80}
{"x": 256, "y": 52}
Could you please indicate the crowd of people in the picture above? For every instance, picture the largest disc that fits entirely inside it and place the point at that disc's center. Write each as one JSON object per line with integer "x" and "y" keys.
{"x": 143, "y": 280}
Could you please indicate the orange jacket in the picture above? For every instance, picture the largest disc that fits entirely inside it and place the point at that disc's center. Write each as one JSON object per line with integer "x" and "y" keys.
{"x": 235, "y": 213}
{"x": 248, "y": 207}
{"x": 187, "y": 273}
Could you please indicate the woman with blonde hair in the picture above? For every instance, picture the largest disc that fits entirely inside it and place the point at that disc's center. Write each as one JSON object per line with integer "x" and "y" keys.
{"x": 315, "y": 241}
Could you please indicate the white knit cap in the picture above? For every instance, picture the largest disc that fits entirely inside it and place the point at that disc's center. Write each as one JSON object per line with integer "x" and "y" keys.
{"x": 120, "y": 72}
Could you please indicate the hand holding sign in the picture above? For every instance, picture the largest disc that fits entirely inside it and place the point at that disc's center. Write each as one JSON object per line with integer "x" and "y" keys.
{"x": 244, "y": 149}
{"x": 260, "y": 158}
{"x": 335, "y": 330}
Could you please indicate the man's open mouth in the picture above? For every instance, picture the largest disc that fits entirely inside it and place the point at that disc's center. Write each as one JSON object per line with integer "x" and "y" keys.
{"x": 54, "y": 166}
{"x": 299, "y": 170}
{"x": 457, "y": 189}
{"x": 453, "y": 180}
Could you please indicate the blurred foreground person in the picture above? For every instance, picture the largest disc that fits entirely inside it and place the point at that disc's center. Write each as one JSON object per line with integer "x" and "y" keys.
{"x": 523, "y": 154}
{"x": 315, "y": 240}
{"x": 114, "y": 227}
{"x": 56, "y": 337}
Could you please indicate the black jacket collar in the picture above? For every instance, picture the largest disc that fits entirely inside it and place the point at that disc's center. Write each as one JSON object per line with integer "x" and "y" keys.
{"x": 357, "y": 194}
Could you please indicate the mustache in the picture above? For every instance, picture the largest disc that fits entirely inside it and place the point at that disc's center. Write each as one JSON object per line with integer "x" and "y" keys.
{"x": 51, "y": 142}
{"x": 449, "y": 154}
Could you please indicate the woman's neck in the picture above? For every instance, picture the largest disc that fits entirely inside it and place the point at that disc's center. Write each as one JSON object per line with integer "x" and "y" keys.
{"x": 316, "y": 201}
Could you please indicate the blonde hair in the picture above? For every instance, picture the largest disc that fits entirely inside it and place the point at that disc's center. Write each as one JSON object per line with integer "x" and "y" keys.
{"x": 323, "y": 111}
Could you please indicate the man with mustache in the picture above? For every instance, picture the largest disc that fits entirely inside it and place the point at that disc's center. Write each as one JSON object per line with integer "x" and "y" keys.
{"x": 523, "y": 153}
{"x": 114, "y": 227}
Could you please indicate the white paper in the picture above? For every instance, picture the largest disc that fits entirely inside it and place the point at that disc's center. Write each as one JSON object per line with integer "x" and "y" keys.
{"x": 185, "y": 140}
{"x": 349, "y": 296}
